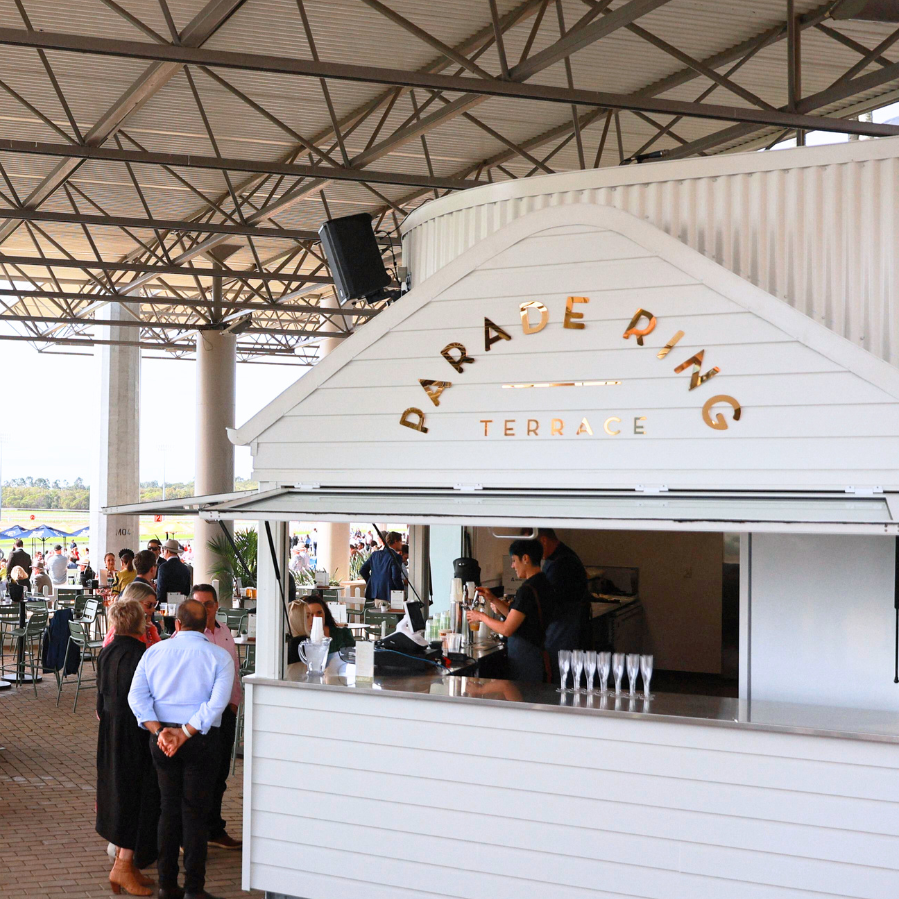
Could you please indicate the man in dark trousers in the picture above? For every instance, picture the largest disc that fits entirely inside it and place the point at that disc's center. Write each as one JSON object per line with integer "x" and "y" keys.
{"x": 180, "y": 689}
{"x": 571, "y": 612}
{"x": 383, "y": 571}
{"x": 172, "y": 576}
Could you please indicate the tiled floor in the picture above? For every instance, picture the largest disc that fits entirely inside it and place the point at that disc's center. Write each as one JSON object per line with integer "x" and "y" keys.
{"x": 48, "y": 846}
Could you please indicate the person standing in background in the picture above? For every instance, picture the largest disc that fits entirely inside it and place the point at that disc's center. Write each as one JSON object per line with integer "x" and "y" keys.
{"x": 18, "y": 557}
{"x": 172, "y": 576}
{"x": 57, "y": 566}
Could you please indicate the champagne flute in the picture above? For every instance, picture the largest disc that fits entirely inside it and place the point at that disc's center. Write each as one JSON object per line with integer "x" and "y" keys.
{"x": 633, "y": 668}
{"x": 604, "y": 663}
{"x": 590, "y": 665}
{"x": 564, "y": 663}
{"x": 578, "y": 659}
{"x": 618, "y": 670}
{"x": 646, "y": 671}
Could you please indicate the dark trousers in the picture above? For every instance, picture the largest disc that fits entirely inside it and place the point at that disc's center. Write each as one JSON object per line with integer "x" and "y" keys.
{"x": 186, "y": 787}
{"x": 217, "y": 823}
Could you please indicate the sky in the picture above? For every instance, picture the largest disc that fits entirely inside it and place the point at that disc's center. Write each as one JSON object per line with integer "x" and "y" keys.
{"x": 60, "y": 404}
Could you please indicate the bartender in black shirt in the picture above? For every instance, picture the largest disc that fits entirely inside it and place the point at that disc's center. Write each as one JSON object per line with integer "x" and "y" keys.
{"x": 566, "y": 573}
{"x": 526, "y": 617}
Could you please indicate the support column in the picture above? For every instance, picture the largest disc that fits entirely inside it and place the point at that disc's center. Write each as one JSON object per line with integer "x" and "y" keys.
{"x": 333, "y": 537}
{"x": 216, "y": 390}
{"x": 420, "y": 562}
{"x": 116, "y": 479}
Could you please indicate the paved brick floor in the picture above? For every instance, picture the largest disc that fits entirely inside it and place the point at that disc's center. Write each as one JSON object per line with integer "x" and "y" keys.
{"x": 48, "y": 846}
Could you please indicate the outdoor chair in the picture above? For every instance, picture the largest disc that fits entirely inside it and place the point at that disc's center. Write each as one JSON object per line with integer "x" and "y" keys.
{"x": 374, "y": 619}
{"x": 89, "y": 616}
{"x": 35, "y": 604}
{"x": 32, "y": 637}
{"x": 235, "y": 619}
{"x": 9, "y": 619}
{"x": 80, "y": 602}
{"x": 79, "y": 635}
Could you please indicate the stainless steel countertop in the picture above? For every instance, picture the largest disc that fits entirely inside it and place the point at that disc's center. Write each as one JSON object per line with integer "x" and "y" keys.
{"x": 674, "y": 708}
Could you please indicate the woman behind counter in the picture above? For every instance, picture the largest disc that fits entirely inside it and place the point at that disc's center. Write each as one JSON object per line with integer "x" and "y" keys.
{"x": 341, "y": 637}
{"x": 127, "y": 788}
{"x": 526, "y": 616}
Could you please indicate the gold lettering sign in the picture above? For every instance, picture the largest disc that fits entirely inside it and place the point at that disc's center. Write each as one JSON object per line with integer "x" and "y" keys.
{"x": 640, "y": 333}
{"x": 572, "y": 318}
{"x": 405, "y": 420}
{"x": 607, "y": 422}
{"x": 695, "y": 378}
{"x": 670, "y": 345}
{"x": 490, "y": 340}
{"x": 555, "y": 427}
{"x": 434, "y": 388}
{"x": 638, "y": 428}
{"x": 584, "y": 428}
{"x": 719, "y": 424}
{"x": 533, "y": 426}
{"x": 509, "y": 427}
{"x": 526, "y": 325}
{"x": 460, "y": 360}
{"x": 486, "y": 422}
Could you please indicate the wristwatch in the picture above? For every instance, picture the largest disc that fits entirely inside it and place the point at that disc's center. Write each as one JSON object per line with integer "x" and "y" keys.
{"x": 157, "y": 732}
{"x": 187, "y": 733}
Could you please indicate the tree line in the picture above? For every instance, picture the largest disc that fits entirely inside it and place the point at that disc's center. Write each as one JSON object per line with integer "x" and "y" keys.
{"x": 41, "y": 493}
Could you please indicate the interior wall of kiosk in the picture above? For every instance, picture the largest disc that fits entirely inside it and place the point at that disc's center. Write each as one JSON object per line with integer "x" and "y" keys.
{"x": 816, "y": 610}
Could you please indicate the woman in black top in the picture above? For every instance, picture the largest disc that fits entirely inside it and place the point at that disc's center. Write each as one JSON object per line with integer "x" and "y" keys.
{"x": 526, "y": 616}
{"x": 341, "y": 637}
{"x": 18, "y": 583}
{"x": 127, "y": 788}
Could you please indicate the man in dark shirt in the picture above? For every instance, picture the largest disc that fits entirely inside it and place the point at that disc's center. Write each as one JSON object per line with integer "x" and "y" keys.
{"x": 566, "y": 573}
{"x": 145, "y": 566}
{"x": 18, "y": 557}
{"x": 383, "y": 571}
{"x": 173, "y": 576}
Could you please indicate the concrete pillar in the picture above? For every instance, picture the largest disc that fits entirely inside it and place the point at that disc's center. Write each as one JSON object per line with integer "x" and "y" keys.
{"x": 116, "y": 479}
{"x": 333, "y": 537}
{"x": 216, "y": 390}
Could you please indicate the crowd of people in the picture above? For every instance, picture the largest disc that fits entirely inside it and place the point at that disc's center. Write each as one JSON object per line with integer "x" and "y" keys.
{"x": 167, "y": 712}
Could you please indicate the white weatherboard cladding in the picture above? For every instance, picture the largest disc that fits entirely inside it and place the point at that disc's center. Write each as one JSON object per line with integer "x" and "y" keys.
{"x": 817, "y": 226}
{"x": 420, "y": 799}
{"x": 818, "y": 412}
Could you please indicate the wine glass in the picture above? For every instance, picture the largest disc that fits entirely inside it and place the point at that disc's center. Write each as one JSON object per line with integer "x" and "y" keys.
{"x": 633, "y": 667}
{"x": 646, "y": 671}
{"x": 564, "y": 664}
{"x": 618, "y": 670}
{"x": 604, "y": 663}
{"x": 590, "y": 665}
{"x": 578, "y": 658}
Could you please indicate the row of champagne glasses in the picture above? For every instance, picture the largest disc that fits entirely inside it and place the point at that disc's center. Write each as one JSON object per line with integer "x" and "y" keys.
{"x": 590, "y": 663}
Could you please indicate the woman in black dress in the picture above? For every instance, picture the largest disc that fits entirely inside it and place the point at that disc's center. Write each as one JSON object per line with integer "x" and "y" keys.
{"x": 127, "y": 789}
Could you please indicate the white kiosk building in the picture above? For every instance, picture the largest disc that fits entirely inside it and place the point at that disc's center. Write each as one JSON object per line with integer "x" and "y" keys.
{"x": 561, "y": 362}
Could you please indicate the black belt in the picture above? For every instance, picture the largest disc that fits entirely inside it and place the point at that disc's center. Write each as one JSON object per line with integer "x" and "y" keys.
{"x": 168, "y": 724}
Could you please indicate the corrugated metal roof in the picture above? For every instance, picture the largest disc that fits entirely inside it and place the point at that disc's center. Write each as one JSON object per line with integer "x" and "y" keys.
{"x": 351, "y": 31}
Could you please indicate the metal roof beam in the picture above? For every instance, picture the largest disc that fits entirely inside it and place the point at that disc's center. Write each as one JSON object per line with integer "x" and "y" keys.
{"x": 229, "y": 164}
{"x": 186, "y": 270}
{"x": 458, "y": 84}
{"x": 119, "y": 221}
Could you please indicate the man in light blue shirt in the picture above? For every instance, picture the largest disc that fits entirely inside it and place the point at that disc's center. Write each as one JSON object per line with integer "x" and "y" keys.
{"x": 179, "y": 691}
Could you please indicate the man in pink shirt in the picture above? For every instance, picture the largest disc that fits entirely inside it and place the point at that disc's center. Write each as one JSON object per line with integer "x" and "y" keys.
{"x": 221, "y": 636}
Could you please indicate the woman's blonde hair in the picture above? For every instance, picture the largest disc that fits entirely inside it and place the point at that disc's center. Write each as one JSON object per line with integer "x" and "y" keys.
{"x": 139, "y": 591}
{"x": 19, "y": 574}
{"x": 127, "y": 617}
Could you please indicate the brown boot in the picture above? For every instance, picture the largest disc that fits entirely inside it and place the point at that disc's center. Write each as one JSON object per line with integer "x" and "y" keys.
{"x": 142, "y": 878}
{"x": 123, "y": 877}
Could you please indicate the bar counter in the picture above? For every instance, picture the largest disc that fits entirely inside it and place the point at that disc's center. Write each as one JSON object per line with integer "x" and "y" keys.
{"x": 715, "y": 711}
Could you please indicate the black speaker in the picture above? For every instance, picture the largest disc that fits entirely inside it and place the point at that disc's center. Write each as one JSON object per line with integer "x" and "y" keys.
{"x": 353, "y": 257}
